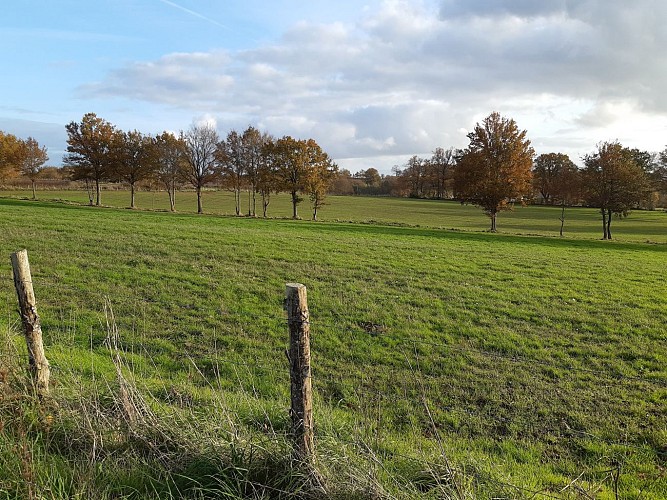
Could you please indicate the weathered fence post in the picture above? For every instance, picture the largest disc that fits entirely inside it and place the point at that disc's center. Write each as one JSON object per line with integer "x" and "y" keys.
{"x": 39, "y": 366}
{"x": 301, "y": 410}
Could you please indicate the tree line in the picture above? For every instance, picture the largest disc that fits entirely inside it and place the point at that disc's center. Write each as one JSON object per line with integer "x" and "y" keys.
{"x": 497, "y": 170}
{"x": 249, "y": 161}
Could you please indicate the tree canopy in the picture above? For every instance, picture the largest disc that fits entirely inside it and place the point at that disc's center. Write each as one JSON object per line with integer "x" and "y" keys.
{"x": 201, "y": 155}
{"x": 495, "y": 170}
{"x": 613, "y": 181}
{"x": 89, "y": 150}
{"x": 10, "y": 154}
{"x": 33, "y": 158}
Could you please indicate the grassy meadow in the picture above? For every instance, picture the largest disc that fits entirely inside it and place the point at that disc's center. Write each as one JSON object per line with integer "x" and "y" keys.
{"x": 447, "y": 363}
{"x": 641, "y": 226}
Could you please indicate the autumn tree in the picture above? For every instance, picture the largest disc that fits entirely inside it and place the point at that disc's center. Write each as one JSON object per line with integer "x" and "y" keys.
{"x": 171, "y": 163}
{"x": 134, "y": 156}
{"x": 320, "y": 173}
{"x": 438, "y": 170}
{"x": 33, "y": 158}
{"x": 11, "y": 154}
{"x": 89, "y": 150}
{"x": 613, "y": 181}
{"x": 566, "y": 189}
{"x": 290, "y": 158}
{"x": 343, "y": 183}
{"x": 253, "y": 155}
{"x": 371, "y": 177}
{"x": 267, "y": 174}
{"x": 650, "y": 163}
{"x": 659, "y": 174}
{"x": 232, "y": 165}
{"x": 495, "y": 169}
{"x": 201, "y": 148}
{"x": 546, "y": 169}
{"x": 415, "y": 175}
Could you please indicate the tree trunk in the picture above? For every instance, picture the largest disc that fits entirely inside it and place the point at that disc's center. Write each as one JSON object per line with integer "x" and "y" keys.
{"x": 609, "y": 214}
{"x": 171, "y": 197}
{"x": 237, "y": 201}
{"x": 265, "y": 203}
{"x": 315, "y": 213}
{"x": 199, "y": 208}
{"x": 132, "y": 195}
{"x": 493, "y": 222}
{"x": 254, "y": 203}
{"x": 89, "y": 191}
{"x": 97, "y": 191}
{"x": 562, "y": 218}
{"x": 604, "y": 223}
{"x": 294, "y": 203}
{"x": 34, "y": 197}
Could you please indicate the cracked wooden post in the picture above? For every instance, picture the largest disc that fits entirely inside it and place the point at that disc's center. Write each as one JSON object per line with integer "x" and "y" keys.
{"x": 301, "y": 410}
{"x": 39, "y": 366}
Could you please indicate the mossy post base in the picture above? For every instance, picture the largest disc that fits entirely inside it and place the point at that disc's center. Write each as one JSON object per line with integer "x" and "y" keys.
{"x": 301, "y": 410}
{"x": 39, "y": 366}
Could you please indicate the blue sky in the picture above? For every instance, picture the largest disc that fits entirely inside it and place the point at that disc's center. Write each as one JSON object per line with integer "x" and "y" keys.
{"x": 373, "y": 82}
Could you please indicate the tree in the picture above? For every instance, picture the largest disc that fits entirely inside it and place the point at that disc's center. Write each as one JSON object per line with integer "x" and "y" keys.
{"x": 659, "y": 174}
{"x": 89, "y": 150}
{"x": 320, "y": 173}
{"x": 614, "y": 182}
{"x": 415, "y": 175}
{"x": 495, "y": 169}
{"x": 371, "y": 177}
{"x": 11, "y": 151}
{"x": 32, "y": 161}
{"x": 566, "y": 188}
{"x": 267, "y": 174}
{"x": 134, "y": 157}
{"x": 546, "y": 170}
{"x": 289, "y": 156}
{"x": 439, "y": 167}
{"x": 232, "y": 165}
{"x": 301, "y": 167}
{"x": 201, "y": 149}
{"x": 253, "y": 149}
{"x": 343, "y": 183}
{"x": 171, "y": 163}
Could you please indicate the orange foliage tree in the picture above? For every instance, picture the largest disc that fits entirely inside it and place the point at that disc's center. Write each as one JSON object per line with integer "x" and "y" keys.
{"x": 495, "y": 170}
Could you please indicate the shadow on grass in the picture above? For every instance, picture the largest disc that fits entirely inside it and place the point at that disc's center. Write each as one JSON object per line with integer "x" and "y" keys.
{"x": 371, "y": 228}
{"x": 456, "y": 234}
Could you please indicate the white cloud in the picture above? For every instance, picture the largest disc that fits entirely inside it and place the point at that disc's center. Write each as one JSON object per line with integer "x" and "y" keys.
{"x": 410, "y": 77}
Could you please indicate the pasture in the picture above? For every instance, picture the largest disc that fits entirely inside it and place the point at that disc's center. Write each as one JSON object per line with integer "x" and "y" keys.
{"x": 447, "y": 363}
{"x": 640, "y": 226}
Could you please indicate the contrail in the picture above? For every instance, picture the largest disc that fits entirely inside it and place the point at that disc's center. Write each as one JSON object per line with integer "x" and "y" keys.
{"x": 193, "y": 13}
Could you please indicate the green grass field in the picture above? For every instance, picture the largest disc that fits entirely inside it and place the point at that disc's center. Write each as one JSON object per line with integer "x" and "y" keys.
{"x": 446, "y": 363}
{"x": 642, "y": 226}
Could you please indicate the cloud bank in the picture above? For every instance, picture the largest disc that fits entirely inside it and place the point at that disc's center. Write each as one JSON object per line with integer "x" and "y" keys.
{"x": 410, "y": 76}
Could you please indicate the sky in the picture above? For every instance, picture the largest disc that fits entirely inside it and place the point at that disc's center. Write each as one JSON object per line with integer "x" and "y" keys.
{"x": 373, "y": 82}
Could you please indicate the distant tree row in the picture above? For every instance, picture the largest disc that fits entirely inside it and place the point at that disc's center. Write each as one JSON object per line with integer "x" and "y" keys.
{"x": 243, "y": 161}
{"x": 498, "y": 169}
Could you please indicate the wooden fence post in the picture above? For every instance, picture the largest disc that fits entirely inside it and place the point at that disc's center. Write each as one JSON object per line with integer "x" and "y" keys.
{"x": 39, "y": 366}
{"x": 301, "y": 410}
